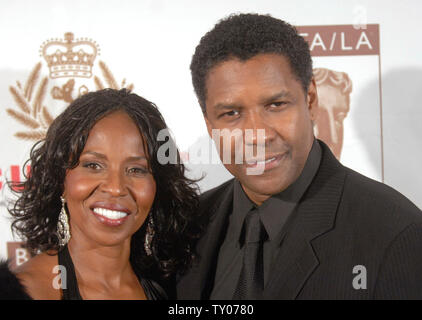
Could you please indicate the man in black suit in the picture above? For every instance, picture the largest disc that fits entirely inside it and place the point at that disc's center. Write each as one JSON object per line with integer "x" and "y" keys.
{"x": 305, "y": 227}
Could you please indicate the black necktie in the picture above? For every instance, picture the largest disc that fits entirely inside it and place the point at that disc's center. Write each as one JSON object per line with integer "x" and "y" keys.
{"x": 251, "y": 282}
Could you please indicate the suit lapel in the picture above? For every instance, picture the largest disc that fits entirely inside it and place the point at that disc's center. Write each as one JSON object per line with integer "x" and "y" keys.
{"x": 197, "y": 284}
{"x": 314, "y": 216}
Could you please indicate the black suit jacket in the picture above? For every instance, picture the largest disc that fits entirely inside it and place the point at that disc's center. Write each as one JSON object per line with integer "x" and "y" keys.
{"x": 343, "y": 221}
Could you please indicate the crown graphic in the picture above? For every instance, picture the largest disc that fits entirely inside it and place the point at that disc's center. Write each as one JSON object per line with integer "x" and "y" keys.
{"x": 70, "y": 57}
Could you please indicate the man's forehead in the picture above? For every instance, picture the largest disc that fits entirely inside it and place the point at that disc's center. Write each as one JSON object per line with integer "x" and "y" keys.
{"x": 226, "y": 85}
{"x": 263, "y": 62}
{"x": 261, "y": 70}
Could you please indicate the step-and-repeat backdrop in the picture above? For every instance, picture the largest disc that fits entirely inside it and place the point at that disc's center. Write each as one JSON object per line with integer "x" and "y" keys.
{"x": 367, "y": 66}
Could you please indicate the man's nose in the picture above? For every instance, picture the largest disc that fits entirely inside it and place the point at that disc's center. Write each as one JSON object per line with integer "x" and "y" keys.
{"x": 258, "y": 131}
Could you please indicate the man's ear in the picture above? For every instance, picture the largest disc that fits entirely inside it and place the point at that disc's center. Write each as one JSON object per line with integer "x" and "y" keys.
{"x": 312, "y": 99}
{"x": 209, "y": 126}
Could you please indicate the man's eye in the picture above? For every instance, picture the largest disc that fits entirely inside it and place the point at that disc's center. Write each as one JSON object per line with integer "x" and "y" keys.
{"x": 231, "y": 113}
{"x": 277, "y": 104}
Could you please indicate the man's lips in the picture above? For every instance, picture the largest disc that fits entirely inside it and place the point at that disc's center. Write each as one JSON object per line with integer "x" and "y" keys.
{"x": 254, "y": 162}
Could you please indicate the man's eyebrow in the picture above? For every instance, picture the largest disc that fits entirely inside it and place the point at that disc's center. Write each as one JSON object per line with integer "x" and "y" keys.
{"x": 223, "y": 106}
{"x": 280, "y": 95}
{"x": 265, "y": 100}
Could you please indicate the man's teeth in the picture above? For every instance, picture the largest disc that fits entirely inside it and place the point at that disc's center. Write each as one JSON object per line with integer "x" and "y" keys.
{"x": 110, "y": 214}
{"x": 261, "y": 162}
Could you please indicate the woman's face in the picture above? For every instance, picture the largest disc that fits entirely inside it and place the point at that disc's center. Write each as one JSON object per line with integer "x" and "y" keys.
{"x": 111, "y": 191}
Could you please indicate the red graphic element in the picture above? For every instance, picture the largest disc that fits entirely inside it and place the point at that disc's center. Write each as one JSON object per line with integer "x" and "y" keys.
{"x": 15, "y": 175}
{"x": 184, "y": 156}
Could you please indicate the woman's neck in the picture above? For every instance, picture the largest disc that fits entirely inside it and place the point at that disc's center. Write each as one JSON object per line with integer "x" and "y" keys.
{"x": 101, "y": 266}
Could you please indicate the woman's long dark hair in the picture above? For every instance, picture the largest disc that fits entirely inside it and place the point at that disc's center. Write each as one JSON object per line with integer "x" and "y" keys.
{"x": 174, "y": 210}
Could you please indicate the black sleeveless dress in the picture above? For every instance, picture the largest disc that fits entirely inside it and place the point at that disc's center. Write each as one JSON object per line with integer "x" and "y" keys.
{"x": 152, "y": 290}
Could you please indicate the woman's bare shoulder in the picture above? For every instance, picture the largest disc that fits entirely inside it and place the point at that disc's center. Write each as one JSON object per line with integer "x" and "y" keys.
{"x": 39, "y": 276}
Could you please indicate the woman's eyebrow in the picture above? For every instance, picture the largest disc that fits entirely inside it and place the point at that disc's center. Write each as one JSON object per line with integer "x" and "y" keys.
{"x": 96, "y": 154}
{"x": 102, "y": 156}
{"x": 136, "y": 158}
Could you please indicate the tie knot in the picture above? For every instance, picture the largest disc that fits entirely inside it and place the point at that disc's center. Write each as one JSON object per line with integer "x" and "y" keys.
{"x": 253, "y": 227}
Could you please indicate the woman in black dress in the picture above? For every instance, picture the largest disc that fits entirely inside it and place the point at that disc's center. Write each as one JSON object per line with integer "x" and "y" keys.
{"x": 106, "y": 211}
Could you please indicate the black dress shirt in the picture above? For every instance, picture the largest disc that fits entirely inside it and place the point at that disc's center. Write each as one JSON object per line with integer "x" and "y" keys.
{"x": 274, "y": 214}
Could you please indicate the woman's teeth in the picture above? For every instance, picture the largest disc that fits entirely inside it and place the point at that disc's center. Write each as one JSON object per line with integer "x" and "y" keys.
{"x": 110, "y": 214}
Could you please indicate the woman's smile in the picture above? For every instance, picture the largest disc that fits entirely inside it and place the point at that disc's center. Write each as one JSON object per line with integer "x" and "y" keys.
{"x": 110, "y": 214}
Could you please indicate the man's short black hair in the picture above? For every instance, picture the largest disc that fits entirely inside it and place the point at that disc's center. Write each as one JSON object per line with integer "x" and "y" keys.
{"x": 243, "y": 36}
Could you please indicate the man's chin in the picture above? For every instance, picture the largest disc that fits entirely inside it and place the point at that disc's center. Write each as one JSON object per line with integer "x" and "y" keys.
{"x": 262, "y": 188}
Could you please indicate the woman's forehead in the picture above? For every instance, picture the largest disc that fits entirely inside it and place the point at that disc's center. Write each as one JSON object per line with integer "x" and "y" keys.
{"x": 116, "y": 132}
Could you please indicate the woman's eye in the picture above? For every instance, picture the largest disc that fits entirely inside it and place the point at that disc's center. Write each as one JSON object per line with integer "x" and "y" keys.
{"x": 91, "y": 165}
{"x": 137, "y": 170}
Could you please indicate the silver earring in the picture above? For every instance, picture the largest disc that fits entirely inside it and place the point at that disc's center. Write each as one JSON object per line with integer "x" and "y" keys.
{"x": 63, "y": 230}
{"x": 149, "y": 234}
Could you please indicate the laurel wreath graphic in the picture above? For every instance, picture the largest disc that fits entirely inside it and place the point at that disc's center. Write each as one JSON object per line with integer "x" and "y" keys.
{"x": 32, "y": 112}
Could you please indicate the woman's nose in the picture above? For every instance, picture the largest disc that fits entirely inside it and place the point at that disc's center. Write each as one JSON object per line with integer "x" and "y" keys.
{"x": 114, "y": 184}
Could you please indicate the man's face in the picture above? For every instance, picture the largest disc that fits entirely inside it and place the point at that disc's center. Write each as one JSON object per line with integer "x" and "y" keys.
{"x": 333, "y": 107}
{"x": 262, "y": 93}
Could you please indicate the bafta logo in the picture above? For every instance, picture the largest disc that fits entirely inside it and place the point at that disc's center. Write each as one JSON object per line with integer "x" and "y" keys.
{"x": 69, "y": 57}
{"x": 69, "y": 60}
{"x": 334, "y": 90}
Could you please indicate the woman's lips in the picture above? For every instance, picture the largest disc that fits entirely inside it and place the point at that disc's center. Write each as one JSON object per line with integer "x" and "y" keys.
{"x": 109, "y": 221}
{"x": 110, "y": 206}
{"x": 112, "y": 215}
